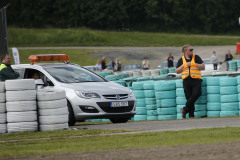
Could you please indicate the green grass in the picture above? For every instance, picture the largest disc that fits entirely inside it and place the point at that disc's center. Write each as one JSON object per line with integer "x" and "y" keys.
{"x": 86, "y": 37}
{"x": 77, "y": 56}
{"x": 63, "y": 144}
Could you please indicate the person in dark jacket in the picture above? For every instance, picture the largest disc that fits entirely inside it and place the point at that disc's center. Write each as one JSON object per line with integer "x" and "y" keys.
{"x": 228, "y": 57}
{"x": 6, "y": 71}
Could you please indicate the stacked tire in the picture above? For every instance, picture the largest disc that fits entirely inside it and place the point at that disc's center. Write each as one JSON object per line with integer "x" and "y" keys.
{"x": 140, "y": 101}
{"x": 213, "y": 97}
{"x": 3, "y": 115}
{"x": 146, "y": 73}
{"x": 229, "y": 97}
{"x": 180, "y": 98}
{"x": 201, "y": 103}
{"x": 232, "y": 65}
{"x": 52, "y": 109}
{"x": 172, "y": 70}
{"x": 163, "y": 71}
{"x": 155, "y": 72}
{"x": 165, "y": 92}
{"x": 21, "y": 105}
{"x": 150, "y": 100}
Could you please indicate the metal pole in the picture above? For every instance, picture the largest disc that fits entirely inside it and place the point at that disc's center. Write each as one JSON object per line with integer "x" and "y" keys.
{"x": 6, "y": 33}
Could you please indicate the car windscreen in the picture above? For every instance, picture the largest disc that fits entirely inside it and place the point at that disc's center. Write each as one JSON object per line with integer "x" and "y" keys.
{"x": 73, "y": 74}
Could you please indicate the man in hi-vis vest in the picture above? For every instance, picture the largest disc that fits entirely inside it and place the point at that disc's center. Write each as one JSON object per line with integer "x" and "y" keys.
{"x": 190, "y": 66}
{"x": 6, "y": 71}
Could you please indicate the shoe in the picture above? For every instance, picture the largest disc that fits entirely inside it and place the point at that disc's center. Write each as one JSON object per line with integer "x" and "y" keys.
{"x": 183, "y": 113}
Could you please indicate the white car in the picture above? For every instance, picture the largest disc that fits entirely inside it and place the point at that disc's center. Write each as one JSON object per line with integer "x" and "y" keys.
{"x": 89, "y": 96}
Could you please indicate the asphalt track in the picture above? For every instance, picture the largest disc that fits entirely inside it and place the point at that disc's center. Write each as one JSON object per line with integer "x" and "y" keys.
{"x": 167, "y": 125}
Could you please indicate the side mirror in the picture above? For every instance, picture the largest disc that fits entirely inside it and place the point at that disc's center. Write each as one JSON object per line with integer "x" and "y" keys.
{"x": 39, "y": 82}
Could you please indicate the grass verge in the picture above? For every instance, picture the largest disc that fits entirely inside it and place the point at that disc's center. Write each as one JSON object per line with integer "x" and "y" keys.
{"x": 64, "y": 144}
{"x": 86, "y": 37}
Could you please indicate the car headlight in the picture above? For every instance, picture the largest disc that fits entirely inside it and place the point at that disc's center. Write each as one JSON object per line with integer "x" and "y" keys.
{"x": 87, "y": 95}
{"x": 131, "y": 93}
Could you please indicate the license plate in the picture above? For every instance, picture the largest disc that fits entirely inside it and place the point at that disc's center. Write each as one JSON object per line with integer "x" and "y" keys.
{"x": 119, "y": 104}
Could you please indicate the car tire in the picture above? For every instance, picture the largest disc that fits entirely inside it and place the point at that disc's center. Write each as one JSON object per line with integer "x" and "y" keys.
{"x": 71, "y": 117}
{"x": 2, "y": 87}
{"x": 20, "y": 84}
{"x": 3, "y": 118}
{"x": 21, "y": 106}
{"x": 54, "y": 104}
{"x": 2, "y": 107}
{"x": 2, "y": 97}
{"x": 53, "y": 119}
{"x": 119, "y": 120}
{"x": 22, "y": 127}
{"x": 53, "y": 127}
{"x": 57, "y": 111}
{"x": 50, "y": 94}
{"x": 14, "y": 117}
{"x": 3, "y": 128}
{"x": 26, "y": 95}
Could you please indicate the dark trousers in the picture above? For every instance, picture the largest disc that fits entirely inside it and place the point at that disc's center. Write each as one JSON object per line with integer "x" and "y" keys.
{"x": 192, "y": 90}
{"x": 215, "y": 66}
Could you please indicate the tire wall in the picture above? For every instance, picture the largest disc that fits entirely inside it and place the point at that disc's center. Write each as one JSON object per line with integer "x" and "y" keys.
{"x": 20, "y": 111}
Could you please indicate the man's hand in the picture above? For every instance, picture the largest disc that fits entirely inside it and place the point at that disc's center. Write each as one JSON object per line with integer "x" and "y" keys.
{"x": 189, "y": 64}
{"x": 201, "y": 66}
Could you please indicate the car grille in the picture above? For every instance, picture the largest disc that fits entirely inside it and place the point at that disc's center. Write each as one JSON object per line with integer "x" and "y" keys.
{"x": 105, "y": 106}
{"x": 116, "y": 96}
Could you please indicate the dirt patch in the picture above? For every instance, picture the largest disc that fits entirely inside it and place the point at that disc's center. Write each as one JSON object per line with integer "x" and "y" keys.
{"x": 218, "y": 151}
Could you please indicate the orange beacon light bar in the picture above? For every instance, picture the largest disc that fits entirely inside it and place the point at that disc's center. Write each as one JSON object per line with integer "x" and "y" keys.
{"x": 48, "y": 57}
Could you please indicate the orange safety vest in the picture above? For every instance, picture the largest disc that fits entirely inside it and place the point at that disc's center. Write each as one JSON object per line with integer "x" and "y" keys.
{"x": 194, "y": 72}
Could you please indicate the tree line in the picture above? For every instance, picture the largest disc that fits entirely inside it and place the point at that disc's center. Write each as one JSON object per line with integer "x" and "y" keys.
{"x": 197, "y": 16}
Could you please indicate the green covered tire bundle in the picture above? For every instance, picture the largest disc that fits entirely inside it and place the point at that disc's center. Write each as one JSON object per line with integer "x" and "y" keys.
{"x": 165, "y": 103}
{"x": 213, "y": 113}
{"x": 140, "y": 117}
{"x": 216, "y": 106}
{"x": 229, "y": 98}
{"x": 166, "y": 117}
{"x": 151, "y": 118}
{"x": 213, "y": 98}
{"x": 229, "y": 113}
{"x": 166, "y": 94}
{"x": 213, "y": 89}
{"x": 228, "y": 81}
{"x": 149, "y": 93}
{"x": 141, "y": 111}
{"x": 234, "y": 106}
{"x": 140, "y": 102}
{"x": 228, "y": 90}
{"x": 167, "y": 111}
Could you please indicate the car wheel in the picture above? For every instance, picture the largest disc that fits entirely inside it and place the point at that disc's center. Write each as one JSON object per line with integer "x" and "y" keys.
{"x": 71, "y": 117}
{"x": 119, "y": 120}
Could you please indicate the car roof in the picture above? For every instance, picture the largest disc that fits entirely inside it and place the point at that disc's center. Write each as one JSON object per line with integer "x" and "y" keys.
{"x": 42, "y": 65}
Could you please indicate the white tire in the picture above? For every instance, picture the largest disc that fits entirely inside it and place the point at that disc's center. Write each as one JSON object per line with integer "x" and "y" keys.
{"x": 27, "y": 95}
{"x": 2, "y": 97}
{"x": 2, "y": 87}
{"x": 20, "y": 84}
{"x": 22, "y": 127}
{"x": 29, "y": 116}
{"x": 52, "y": 127}
{"x": 52, "y": 104}
{"x": 21, "y": 106}
{"x": 50, "y": 94}
{"x": 59, "y": 119}
{"x": 3, "y": 128}
{"x": 3, "y": 118}
{"x": 53, "y": 112}
{"x": 2, "y": 107}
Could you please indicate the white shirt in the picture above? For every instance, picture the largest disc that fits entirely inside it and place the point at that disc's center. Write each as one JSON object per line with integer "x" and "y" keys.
{"x": 214, "y": 59}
